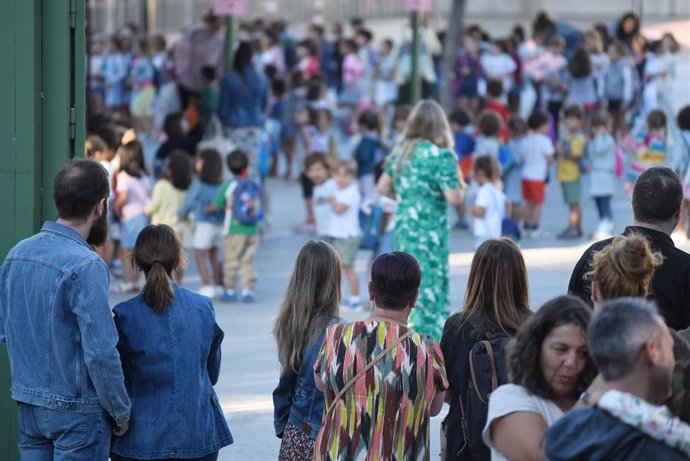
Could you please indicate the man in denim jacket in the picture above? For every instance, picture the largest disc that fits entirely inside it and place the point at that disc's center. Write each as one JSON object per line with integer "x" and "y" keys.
{"x": 58, "y": 328}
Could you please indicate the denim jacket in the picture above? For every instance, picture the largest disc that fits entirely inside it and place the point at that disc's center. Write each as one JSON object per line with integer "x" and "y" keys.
{"x": 199, "y": 196}
{"x": 243, "y": 99}
{"x": 296, "y": 399}
{"x": 57, "y": 325}
{"x": 171, "y": 362}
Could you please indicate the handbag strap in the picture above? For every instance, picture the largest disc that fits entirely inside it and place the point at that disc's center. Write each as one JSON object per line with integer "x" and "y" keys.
{"x": 361, "y": 373}
{"x": 494, "y": 373}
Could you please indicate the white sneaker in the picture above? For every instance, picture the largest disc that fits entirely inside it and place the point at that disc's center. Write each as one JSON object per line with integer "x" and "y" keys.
{"x": 207, "y": 290}
{"x": 352, "y": 306}
{"x": 218, "y": 291}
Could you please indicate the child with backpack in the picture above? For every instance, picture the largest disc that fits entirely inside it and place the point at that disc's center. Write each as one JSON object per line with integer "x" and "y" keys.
{"x": 460, "y": 124}
{"x": 368, "y": 153}
{"x": 242, "y": 200}
{"x": 601, "y": 152}
{"x": 570, "y": 153}
{"x": 490, "y": 205}
{"x": 650, "y": 147}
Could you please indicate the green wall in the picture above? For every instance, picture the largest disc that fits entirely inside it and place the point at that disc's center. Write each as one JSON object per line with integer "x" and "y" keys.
{"x": 42, "y": 120}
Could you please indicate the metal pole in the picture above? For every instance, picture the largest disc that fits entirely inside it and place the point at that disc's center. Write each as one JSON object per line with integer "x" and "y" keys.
{"x": 229, "y": 43}
{"x": 415, "y": 81}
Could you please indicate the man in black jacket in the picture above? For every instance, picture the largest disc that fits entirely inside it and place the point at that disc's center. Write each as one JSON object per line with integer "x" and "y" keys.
{"x": 656, "y": 203}
{"x": 633, "y": 350}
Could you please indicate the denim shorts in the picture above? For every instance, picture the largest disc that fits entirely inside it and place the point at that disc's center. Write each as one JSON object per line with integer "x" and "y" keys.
{"x": 129, "y": 230}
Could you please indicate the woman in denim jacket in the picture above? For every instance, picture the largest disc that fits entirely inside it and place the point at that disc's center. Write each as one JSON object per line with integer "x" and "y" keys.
{"x": 170, "y": 350}
{"x": 310, "y": 305}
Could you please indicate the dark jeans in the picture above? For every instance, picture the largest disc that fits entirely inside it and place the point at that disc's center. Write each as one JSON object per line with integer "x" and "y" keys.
{"x": 604, "y": 207}
{"x": 554, "y": 108}
{"x": 211, "y": 457}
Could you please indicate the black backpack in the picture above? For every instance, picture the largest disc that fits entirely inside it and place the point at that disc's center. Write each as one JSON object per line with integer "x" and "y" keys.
{"x": 487, "y": 371}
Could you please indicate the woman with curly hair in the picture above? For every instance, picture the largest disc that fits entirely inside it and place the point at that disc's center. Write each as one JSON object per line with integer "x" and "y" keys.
{"x": 549, "y": 367}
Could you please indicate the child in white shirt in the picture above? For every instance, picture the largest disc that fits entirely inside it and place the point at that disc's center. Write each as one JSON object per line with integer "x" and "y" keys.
{"x": 490, "y": 205}
{"x": 537, "y": 155}
{"x": 317, "y": 169}
{"x": 345, "y": 229}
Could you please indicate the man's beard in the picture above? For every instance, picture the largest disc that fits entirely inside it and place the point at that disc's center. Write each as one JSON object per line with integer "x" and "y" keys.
{"x": 99, "y": 231}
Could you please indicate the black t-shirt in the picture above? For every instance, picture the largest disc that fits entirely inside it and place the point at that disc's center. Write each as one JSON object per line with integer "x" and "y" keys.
{"x": 670, "y": 283}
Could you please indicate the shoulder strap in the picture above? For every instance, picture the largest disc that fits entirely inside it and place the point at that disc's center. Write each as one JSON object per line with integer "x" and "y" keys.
{"x": 494, "y": 373}
{"x": 361, "y": 373}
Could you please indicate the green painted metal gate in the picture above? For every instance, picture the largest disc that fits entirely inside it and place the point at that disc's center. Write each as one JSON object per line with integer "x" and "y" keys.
{"x": 42, "y": 118}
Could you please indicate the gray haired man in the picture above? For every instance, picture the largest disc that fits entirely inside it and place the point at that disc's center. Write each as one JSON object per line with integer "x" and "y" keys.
{"x": 633, "y": 349}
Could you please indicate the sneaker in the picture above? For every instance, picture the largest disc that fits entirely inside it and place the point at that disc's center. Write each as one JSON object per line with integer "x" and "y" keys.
{"x": 570, "y": 233}
{"x": 228, "y": 296}
{"x": 124, "y": 288}
{"x": 536, "y": 232}
{"x": 306, "y": 228}
{"x": 352, "y": 306}
{"x": 248, "y": 297}
{"x": 207, "y": 290}
{"x": 461, "y": 225}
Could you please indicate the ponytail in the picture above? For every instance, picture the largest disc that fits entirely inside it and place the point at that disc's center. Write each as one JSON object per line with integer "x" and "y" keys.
{"x": 158, "y": 290}
{"x": 157, "y": 252}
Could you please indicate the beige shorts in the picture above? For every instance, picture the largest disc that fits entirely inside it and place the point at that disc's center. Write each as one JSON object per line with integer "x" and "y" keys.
{"x": 184, "y": 231}
{"x": 347, "y": 249}
{"x": 207, "y": 235}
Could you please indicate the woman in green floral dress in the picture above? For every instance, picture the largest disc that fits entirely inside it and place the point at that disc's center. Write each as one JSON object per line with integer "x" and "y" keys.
{"x": 422, "y": 173}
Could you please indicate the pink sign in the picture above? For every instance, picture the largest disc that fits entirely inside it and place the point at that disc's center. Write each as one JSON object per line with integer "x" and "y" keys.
{"x": 230, "y": 7}
{"x": 417, "y": 5}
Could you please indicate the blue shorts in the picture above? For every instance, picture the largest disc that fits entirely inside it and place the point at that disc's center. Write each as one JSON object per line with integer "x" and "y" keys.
{"x": 129, "y": 230}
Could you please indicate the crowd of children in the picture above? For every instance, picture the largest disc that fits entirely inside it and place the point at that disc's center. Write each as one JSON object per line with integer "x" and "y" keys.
{"x": 597, "y": 108}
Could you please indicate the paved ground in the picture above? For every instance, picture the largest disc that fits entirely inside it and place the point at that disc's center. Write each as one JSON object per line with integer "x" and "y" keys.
{"x": 250, "y": 368}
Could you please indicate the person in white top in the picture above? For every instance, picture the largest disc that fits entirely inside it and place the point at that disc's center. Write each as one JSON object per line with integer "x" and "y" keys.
{"x": 345, "y": 229}
{"x": 549, "y": 367}
{"x": 490, "y": 205}
{"x": 499, "y": 65}
{"x": 317, "y": 169}
{"x": 537, "y": 155}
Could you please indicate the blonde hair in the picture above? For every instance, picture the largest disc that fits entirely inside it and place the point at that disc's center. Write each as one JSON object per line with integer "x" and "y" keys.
{"x": 157, "y": 252}
{"x": 427, "y": 122}
{"x": 310, "y": 303}
{"x": 625, "y": 267}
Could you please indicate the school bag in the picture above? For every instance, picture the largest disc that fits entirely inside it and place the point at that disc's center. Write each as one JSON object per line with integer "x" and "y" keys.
{"x": 488, "y": 370}
{"x": 370, "y": 220}
{"x": 248, "y": 202}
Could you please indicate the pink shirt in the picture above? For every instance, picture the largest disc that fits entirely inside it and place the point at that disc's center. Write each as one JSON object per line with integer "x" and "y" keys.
{"x": 353, "y": 71}
{"x": 545, "y": 64}
{"x": 138, "y": 192}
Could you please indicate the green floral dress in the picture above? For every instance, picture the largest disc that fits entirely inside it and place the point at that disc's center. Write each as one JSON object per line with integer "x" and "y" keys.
{"x": 423, "y": 226}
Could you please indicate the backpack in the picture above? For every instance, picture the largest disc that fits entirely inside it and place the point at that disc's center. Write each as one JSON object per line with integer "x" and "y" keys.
{"x": 248, "y": 202}
{"x": 370, "y": 222}
{"x": 487, "y": 371}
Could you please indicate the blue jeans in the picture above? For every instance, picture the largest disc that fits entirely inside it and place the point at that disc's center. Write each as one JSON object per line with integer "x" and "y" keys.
{"x": 47, "y": 435}
{"x": 604, "y": 207}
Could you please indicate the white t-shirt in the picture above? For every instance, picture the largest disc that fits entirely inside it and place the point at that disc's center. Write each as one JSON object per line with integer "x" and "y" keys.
{"x": 346, "y": 224}
{"x": 499, "y": 64}
{"x": 494, "y": 203}
{"x": 322, "y": 209}
{"x": 511, "y": 398}
{"x": 536, "y": 149}
{"x": 486, "y": 146}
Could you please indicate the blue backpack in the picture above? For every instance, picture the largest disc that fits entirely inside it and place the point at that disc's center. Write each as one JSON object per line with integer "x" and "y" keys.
{"x": 248, "y": 202}
{"x": 370, "y": 222}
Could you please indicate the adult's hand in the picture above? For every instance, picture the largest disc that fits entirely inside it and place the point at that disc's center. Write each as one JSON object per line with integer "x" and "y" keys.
{"x": 119, "y": 431}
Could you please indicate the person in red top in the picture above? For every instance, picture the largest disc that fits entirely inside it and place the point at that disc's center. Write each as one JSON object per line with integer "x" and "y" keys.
{"x": 309, "y": 62}
{"x": 494, "y": 91}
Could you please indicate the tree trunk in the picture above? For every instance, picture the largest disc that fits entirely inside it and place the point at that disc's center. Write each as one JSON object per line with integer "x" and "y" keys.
{"x": 450, "y": 52}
